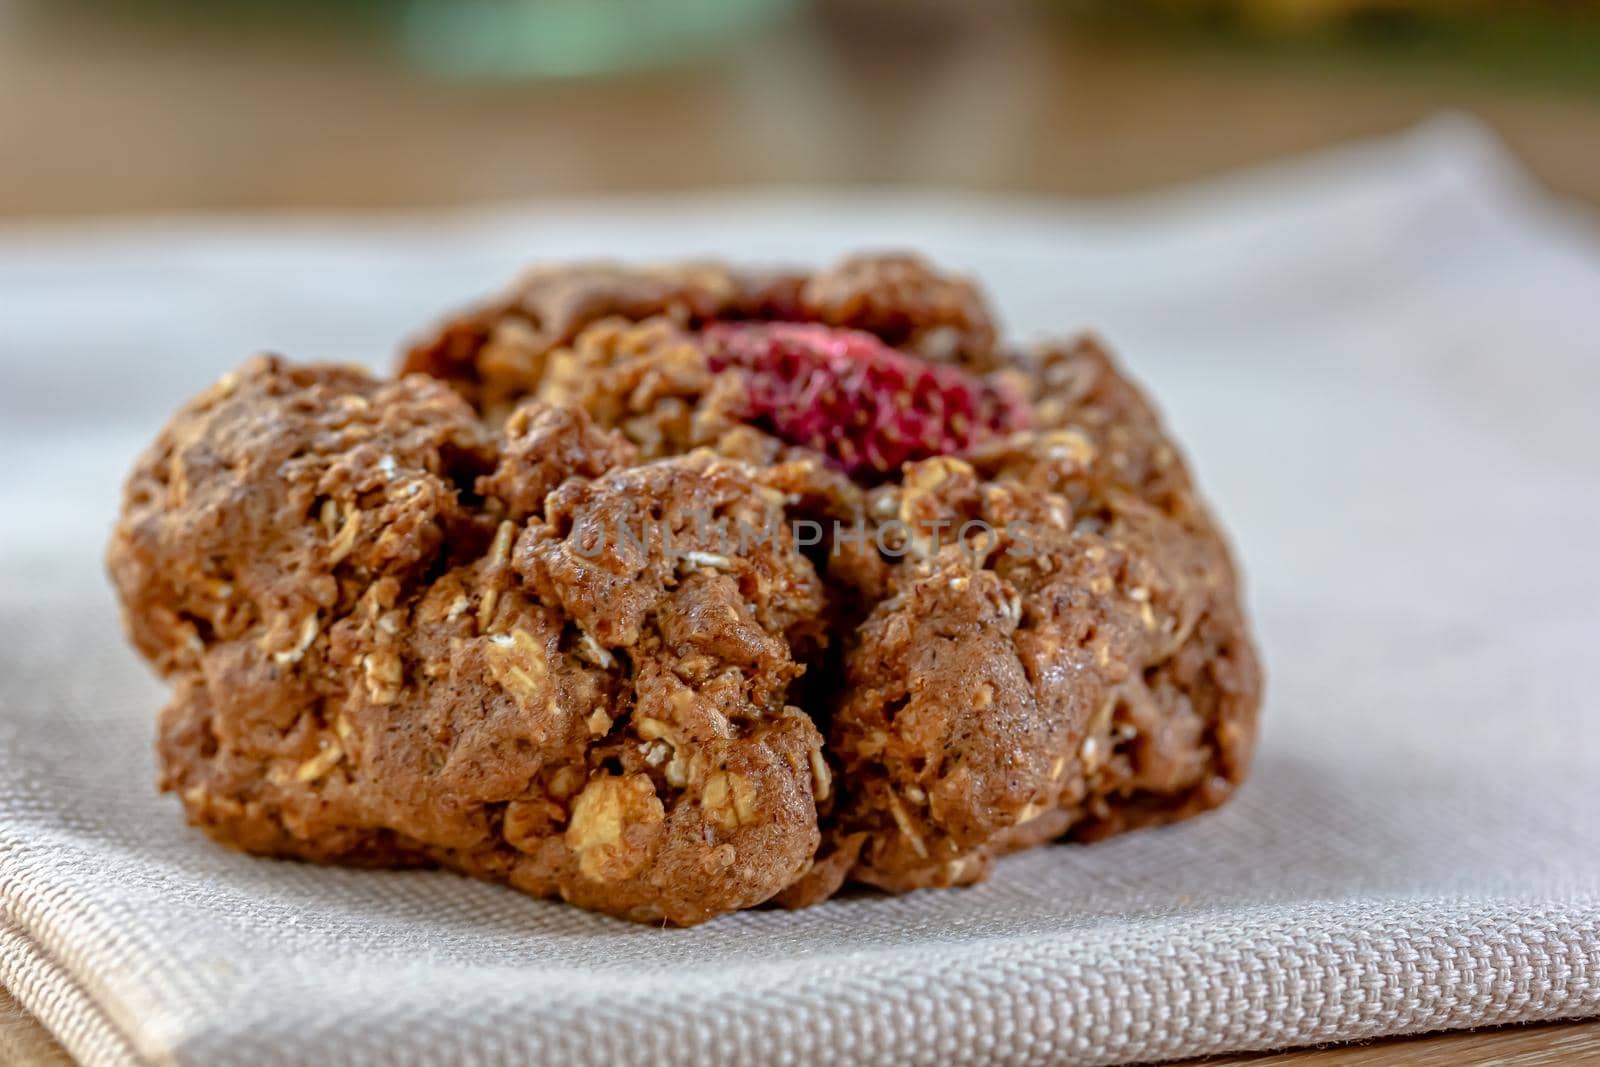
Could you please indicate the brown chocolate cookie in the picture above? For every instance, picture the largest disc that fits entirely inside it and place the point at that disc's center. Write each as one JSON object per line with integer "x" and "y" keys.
{"x": 675, "y": 591}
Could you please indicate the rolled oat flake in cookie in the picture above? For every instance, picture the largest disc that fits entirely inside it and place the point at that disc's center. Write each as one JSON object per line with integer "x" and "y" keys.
{"x": 673, "y": 591}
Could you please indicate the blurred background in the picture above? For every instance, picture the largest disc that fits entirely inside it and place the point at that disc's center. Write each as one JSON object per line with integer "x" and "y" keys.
{"x": 159, "y": 105}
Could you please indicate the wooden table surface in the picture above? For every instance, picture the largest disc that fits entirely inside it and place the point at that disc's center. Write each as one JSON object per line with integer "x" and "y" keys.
{"x": 102, "y": 113}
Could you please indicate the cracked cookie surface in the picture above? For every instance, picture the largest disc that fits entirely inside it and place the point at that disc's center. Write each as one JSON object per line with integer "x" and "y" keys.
{"x": 582, "y": 604}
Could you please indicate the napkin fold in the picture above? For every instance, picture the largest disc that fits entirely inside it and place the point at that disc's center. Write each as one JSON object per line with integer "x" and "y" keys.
{"x": 1381, "y": 359}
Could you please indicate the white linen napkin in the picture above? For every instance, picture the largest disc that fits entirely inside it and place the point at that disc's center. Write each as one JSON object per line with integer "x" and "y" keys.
{"x": 1384, "y": 363}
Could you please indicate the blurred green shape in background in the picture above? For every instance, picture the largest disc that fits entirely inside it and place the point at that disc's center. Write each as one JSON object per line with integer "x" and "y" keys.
{"x": 566, "y": 38}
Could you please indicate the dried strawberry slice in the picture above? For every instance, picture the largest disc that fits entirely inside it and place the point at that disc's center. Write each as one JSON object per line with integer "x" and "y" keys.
{"x": 847, "y": 394}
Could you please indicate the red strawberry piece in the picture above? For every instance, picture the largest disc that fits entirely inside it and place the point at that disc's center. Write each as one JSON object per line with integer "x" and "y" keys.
{"x": 847, "y": 394}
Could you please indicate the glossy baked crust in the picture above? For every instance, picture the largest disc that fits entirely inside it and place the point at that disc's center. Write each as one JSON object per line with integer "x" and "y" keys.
{"x": 401, "y": 626}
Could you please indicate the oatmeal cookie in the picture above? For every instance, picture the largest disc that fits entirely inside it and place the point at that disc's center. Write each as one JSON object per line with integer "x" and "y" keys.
{"x": 674, "y": 591}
